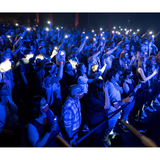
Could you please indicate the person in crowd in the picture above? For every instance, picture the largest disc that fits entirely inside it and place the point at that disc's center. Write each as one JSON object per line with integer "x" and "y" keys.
{"x": 142, "y": 75}
{"x": 9, "y": 128}
{"x": 52, "y": 86}
{"x": 115, "y": 91}
{"x": 98, "y": 104}
{"x": 43, "y": 127}
{"x": 71, "y": 114}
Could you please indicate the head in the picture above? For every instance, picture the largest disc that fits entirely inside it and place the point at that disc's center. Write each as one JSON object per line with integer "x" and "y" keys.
{"x": 132, "y": 47}
{"x": 74, "y": 49}
{"x": 138, "y": 54}
{"x": 112, "y": 44}
{"x": 38, "y": 106}
{"x": 136, "y": 38}
{"x": 112, "y": 74}
{"x": 117, "y": 63}
{"x": 145, "y": 41}
{"x": 42, "y": 50}
{"x": 41, "y": 43}
{"x": 68, "y": 66}
{"x": 76, "y": 91}
{"x": 96, "y": 87}
{"x": 4, "y": 89}
{"x": 51, "y": 68}
{"x": 141, "y": 62}
{"x": 127, "y": 73}
{"x": 92, "y": 50}
{"x": 28, "y": 54}
{"x": 85, "y": 48}
{"x": 124, "y": 56}
{"x": 81, "y": 69}
{"x": 126, "y": 46}
{"x": 152, "y": 60}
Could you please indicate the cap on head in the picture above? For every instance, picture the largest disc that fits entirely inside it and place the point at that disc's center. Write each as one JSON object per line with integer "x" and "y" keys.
{"x": 75, "y": 89}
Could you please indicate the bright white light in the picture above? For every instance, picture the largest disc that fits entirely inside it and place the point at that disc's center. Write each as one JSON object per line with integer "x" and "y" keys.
{"x": 5, "y": 66}
{"x": 119, "y": 26}
{"x": 112, "y": 31}
{"x": 47, "y": 29}
{"x": 130, "y": 30}
{"x": 114, "y": 27}
{"x": 8, "y": 36}
{"x": 83, "y": 32}
{"x": 92, "y": 30}
{"x": 66, "y": 36}
{"x": 119, "y": 33}
{"x": 28, "y": 29}
{"x": 100, "y": 29}
{"x": 116, "y": 31}
{"x": 126, "y": 32}
{"x": 125, "y": 29}
{"x": 48, "y": 22}
{"x": 134, "y": 32}
{"x": 62, "y": 53}
{"x": 55, "y": 47}
{"x": 121, "y": 29}
{"x": 103, "y": 38}
{"x": 16, "y": 24}
{"x": 57, "y": 28}
{"x": 101, "y": 34}
{"x": 86, "y": 37}
{"x": 95, "y": 35}
{"x": 150, "y": 32}
{"x": 61, "y": 27}
{"x": 137, "y": 30}
{"x": 94, "y": 39}
{"x": 153, "y": 36}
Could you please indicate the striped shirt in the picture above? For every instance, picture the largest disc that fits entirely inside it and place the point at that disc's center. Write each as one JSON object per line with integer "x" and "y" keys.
{"x": 71, "y": 114}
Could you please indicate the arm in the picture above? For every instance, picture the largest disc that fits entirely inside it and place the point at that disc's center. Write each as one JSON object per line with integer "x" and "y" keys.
{"x": 112, "y": 50}
{"x": 107, "y": 100}
{"x": 145, "y": 34}
{"x": 80, "y": 48}
{"x": 144, "y": 77}
{"x": 59, "y": 76}
{"x": 23, "y": 34}
{"x": 33, "y": 136}
{"x": 24, "y": 78}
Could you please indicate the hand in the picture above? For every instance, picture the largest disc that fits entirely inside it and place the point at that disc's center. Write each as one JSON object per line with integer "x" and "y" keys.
{"x": 73, "y": 142}
{"x": 138, "y": 86}
{"x": 116, "y": 105}
{"x": 54, "y": 126}
{"x": 128, "y": 99}
{"x": 155, "y": 71}
{"x": 150, "y": 90}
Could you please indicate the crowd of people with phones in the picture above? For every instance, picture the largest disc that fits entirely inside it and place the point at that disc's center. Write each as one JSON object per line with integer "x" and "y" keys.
{"x": 66, "y": 81}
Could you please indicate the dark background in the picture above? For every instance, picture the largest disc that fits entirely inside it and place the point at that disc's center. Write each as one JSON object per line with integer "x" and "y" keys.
{"x": 134, "y": 21}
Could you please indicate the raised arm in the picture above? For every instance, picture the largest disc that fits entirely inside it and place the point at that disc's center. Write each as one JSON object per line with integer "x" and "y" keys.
{"x": 80, "y": 48}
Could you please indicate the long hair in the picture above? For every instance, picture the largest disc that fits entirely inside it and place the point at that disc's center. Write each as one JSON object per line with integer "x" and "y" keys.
{"x": 115, "y": 62}
{"x": 96, "y": 88}
{"x": 35, "y": 107}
